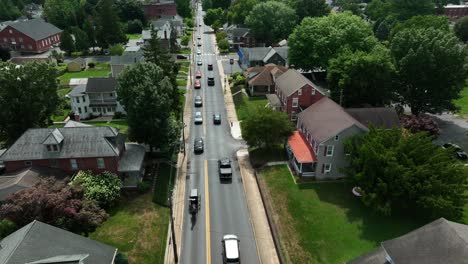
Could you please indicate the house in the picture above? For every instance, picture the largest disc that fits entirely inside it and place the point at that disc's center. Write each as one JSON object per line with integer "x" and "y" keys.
{"x": 261, "y": 79}
{"x": 177, "y": 24}
{"x": 316, "y": 148}
{"x": 76, "y": 65}
{"x": 158, "y": 8}
{"x": 164, "y": 32}
{"x": 77, "y": 81}
{"x": 240, "y": 37}
{"x": 26, "y": 178}
{"x": 440, "y": 241}
{"x": 30, "y": 36}
{"x": 296, "y": 92}
{"x": 455, "y": 12}
{"x": 118, "y": 63}
{"x": 259, "y": 56}
{"x": 41, "y": 243}
{"x": 75, "y": 148}
{"x": 97, "y": 97}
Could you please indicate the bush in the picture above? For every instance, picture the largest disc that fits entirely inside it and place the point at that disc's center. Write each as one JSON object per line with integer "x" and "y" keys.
{"x": 134, "y": 27}
{"x": 143, "y": 187}
{"x": 185, "y": 40}
{"x": 6, "y": 227}
{"x": 118, "y": 115}
{"x": 224, "y": 45}
{"x": 189, "y": 22}
{"x": 419, "y": 123}
{"x": 220, "y": 35}
{"x": 91, "y": 65}
{"x": 116, "y": 50}
{"x": 103, "y": 188}
{"x": 121, "y": 258}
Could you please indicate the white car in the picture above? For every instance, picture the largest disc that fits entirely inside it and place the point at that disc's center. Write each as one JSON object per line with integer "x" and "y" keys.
{"x": 198, "y": 118}
{"x": 199, "y": 62}
{"x": 199, "y": 37}
{"x": 198, "y": 52}
{"x": 231, "y": 249}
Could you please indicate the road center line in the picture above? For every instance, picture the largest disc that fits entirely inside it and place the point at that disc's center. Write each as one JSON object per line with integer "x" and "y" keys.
{"x": 207, "y": 216}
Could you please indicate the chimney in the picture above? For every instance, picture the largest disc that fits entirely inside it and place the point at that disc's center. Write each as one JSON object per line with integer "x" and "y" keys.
{"x": 76, "y": 117}
{"x": 165, "y": 34}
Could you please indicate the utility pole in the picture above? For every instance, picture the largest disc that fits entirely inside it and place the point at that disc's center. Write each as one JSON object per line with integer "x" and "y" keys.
{"x": 174, "y": 246}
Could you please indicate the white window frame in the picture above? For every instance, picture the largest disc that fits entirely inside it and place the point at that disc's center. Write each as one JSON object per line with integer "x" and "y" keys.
{"x": 74, "y": 164}
{"x": 100, "y": 163}
{"x": 313, "y": 91}
{"x": 299, "y": 92}
{"x": 329, "y": 153}
{"x": 295, "y": 102}
{"x": 329, "y": 165}
{"x": 11, "y": 31}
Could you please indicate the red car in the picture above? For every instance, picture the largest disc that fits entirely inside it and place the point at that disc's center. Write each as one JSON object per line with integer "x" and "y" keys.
{"x": 197, "y": 84}
{"x": 198, "y": 75}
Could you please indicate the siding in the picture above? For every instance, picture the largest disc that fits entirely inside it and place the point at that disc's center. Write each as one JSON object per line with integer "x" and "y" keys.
{"x": 36, "y": 46}
{"x": 306, "y": 99}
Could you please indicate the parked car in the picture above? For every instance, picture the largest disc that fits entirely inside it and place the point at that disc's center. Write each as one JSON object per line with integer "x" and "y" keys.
{"x": 181, "y": 57}
{"x": 198, "y": 52}
{"x": 198, "y": 37}
{"x": 198, "y": 118}
{"x": 216, "y": 119}
{"x": 211, "y": 81}
{"x": 225, "y": 169}
{"x": 210, "y": 66}
{"x": 457, "y": 150}
{"x": 198, "y": 101}
{"x": 198, "y": 74}
{"x": 198, "y": 146}
{"x": 231, "y": 249}
{"x": 197, "y": 84}
{"x": 199, "y": 44}
{"x": 199, "y": 62}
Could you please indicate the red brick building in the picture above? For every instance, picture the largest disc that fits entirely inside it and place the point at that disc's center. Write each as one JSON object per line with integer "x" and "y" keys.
{"x": 159, "y": 8}
{"x": 455, "y": 12}
{"x": 295, "y": 92}
{"x": 30, "y": 36}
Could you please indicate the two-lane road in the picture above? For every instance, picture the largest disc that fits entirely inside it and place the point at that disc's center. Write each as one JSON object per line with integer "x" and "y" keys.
{"x": 225, "y": 211}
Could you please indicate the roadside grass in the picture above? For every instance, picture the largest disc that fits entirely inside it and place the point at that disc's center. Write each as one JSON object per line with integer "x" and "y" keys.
{"x": 245, "y": 104}
{"x": 463, "y": 102}
{"x": 185, "y": 51}
{"x": 164, "y": 183}
{"x": 324, "y": 222}
{"x": 184, "y": 63}
{"x": 133, "y": 36}
{"x": 138, "y": 228}
{"x": 181, "y": 82}
{"x": 260, "y": 156}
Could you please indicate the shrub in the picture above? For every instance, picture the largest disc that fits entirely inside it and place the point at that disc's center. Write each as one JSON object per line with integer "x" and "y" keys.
{"x": 116, "y": 50}
{"x": 121, "y": 258}
{"x": 6, "y": 227}
{"x": 220, "y": 35}
{"x": 224, "y": 45}
{"x": 134, "y": 26}
{"x": 118, "y": 115}
{"x": 419, "y": 123}
{"x": 189, "y": 22}
{"x": 103, "y": 188}
{"x": 185, "y": 40}
{"x": 91, "y": 64}
{"x": 143, "y": 187}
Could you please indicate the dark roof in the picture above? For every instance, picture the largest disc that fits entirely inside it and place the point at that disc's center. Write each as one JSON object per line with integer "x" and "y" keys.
{"x": 78, "y": 142}
{"x": 381, "y": 117}
{"x": 101, "y": 84}
{"x": 38, "y": 242}
{"x": 239, "y": 32}
{"x": 127, "y": 58}
{"x": 133, "y": 157}
{"x": 440, "y": 241}
{"x": 36, "y": 29}
{"x": 292, "y": 80}
{"x": 263, "y": 75}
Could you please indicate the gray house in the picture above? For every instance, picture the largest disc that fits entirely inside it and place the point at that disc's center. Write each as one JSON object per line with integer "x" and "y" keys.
{"x": 440, "y": 241}
{"x": 118, "y": 63}
{"x": 259, "y": 56}
{"x": 40, "y": 243}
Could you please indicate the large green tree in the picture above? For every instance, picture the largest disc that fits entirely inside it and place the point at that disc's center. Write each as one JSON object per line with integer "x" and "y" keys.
{"x": 461, "y": 29}
{"x": 146, "y": 93}
{"x": 316, "y": 40}
{"x": 310, "y": 8}
{"x": 183, "y": 8}
{"x": 377, "y": 10}
{"x": 405, "y": 9}
{"x": 82, "y": 42}
{"x": 224, "y": 4}
{"x": 130, "y": 10}
{"x": 28, "y": 97}
{"x": 423, "y": 22}
{"x": 272, "y": 21}
{"x": 240, "y": 10}
{"x": 431, "y": 66}
{"x": 8, "y": 11}
{"x": 358, "y": 79}
{"x": 108, "y": 30}
{"x": 66, "y": 42}
{"x": 406, "y": 173}
{"x": 265, "y": 128}
{"x": 62, "y": 13}
{"x": 214, "y": 16}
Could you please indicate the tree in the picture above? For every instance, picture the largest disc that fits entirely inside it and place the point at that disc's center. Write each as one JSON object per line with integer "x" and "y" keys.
{"x": 461, "y": 29}
{"x": 406, "y": 173}
{"x": 189, "y": 22}
{"x": 6, "y": 227}
{"x": 90, "y": 32}
{"x": 116, "y": 50}
{"x": 423, "y": 22}
{"x": 377, "y": 10}
{"x": 265, "y": 128}
{"x": 147, "y": 95}
{"x": 55, "y": 203}
{"x": 223, "y": 4}
{"x": 240, "y": 10}
{"x": 183, "y": 8}
{"x": 352, "y": 6}
{"x": 104, "y": 188}
{"x": 213, "y": 15}
{"x": 108, "y": 30}
{"x": 28, "y": 96}
{"x": 8, "y": 11}
{"x": 66, "y": 42}
{"x": 271, "y": 21}
{"x": 4, "y": 54}
{"x": 224, "y": 45}
{"x": 129, "y": 10}
{"x": 421, "y": 123}
{"x": 431, "y": 67}
{"x": 207, "y": 4}
{"x": 310, "y": 8}
{"x": 81, "y": 39}
{"x": 61, "y": 13}
{"x": 316, "y": 40}
{"x": 220, "y": 35}
{"x": 134, "y": 26}
{"x": 405, "y": 9}
{"x": 358, "y": 79}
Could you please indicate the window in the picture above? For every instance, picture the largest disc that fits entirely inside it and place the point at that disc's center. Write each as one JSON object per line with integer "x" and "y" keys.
{"x": 329, "y": 150}
{"x": 11, "y": 31}
{"x": 49, "y": 148}
{"x": 94, "y": 109}
{"x": 20, "y": 39}
{"x": 113, "y": 109}
{"x": 86, "y": 109}
{"x": 5, "y": 40}
{"x": 100, "y": 163}
{"x": 54, "y": 163}
{"x": 12, "y": 39}
{"x": 28, "y": 163}
{"x": 84, "y": 99}
{"x": 327, "y": 167}
{"x": 43, "y": 43}
{"x": 55, "y": 147}
{"x": 79, "y": 110}
{"x": 313, "y": 91}
{"x": 299, "y": 92}
{"x": 73, "y": 164}
{"x": 109, "y": 109}
{"x": 22, "y": 46}
{"x": 111, "y": 94}
{"x": 337, "y": 138}
{"x": 29, "y": 47}
{"x": 295, "y": 102}
{"x": 78, "y": 100}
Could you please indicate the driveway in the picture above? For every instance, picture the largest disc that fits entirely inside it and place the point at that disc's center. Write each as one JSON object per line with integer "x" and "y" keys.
{"x": 453, "y": 129}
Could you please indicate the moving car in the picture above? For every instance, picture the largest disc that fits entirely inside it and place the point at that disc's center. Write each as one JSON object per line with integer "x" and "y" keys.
{"x": 198, "y": 74}
{"x": 199, "y": 62}
{"x": 199, "y": 44}
{"x": 198, "y": 37}
{"x": 231, "y": 249}
{"x": 197, "y": 84}
{"x": 210, "y": 66}
{"x": 225, "y": 169}
{"x": 211, "y": 81}
{"x": 216, "y": 119}
{"x": 198, "y": 101}
{"x": 198, "y": 145}
{"x": 198, "y": 52}
{"x": 198, "y": 118}
{"x": 457, "y": 150}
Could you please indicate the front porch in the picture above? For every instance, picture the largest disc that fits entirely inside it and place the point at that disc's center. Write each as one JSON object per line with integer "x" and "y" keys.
{"x": 131, "y": 165}
{"x": 301, "y": 156}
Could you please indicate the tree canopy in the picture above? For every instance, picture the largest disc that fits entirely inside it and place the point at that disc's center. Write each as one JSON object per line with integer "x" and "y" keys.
{"x": 461, "y": 29}
{"x": 28, "y": 96}
{"x": 265, "y": 128}
{"x": 271, "y": 21}
{"x": 108, "y": 30}
{"x": 214, "y": 16}
{"x": 431, "y": 67}
{"x": 183, "y": 8}
{"x": 310, "y": 8}
{"x": 406, "y": 173}
{"x": 62, "y": 13}
{"x": 316, "y": 40}
{"x": 360, "y": 79}
{"x": 104, "y": 188}
{"x": 423, "y": 22}
{"x": 240, "y": 10}
{"x": 405, "y": 9}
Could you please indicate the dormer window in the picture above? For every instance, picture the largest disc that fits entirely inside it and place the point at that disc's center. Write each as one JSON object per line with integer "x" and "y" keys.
{"x": 53, "y": 141}
{"x": 52, "y": 148}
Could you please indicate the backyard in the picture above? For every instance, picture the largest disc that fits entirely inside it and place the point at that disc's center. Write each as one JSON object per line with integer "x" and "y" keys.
{"x": 138, "y": 228}
{"x": 100, "y": 70}
{"x": 134, "y": 36}
{"x": 324, "y": 222}
{"x": 245, "y": 104}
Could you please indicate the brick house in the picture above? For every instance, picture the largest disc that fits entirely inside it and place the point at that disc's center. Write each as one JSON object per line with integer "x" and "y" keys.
{"x": 77, "y": 147}
{"x": 240, "y": 37}
{"x": 159, "y": 8}
{"x": 455, "y": 12}
{"x": 295, "y": 92}
{"x": 30, "y": 36}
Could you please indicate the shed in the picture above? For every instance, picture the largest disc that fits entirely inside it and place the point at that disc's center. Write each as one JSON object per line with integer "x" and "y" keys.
{"x": 76, "y": 65}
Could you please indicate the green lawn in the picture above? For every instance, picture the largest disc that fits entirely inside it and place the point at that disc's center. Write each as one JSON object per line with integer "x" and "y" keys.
{"x": 181, "y": 82}
{"x": 133, "y": 36}
{"x": 62, "y": 92}
{"x": 62, "y": 111}
{"x": 138, "y": 228}
{"x": 260, "y": 156}
{"x": 324, "y": 222}
{"x": 184, "y": 63}
{"x": 65, "y": 78}
{"x": 245, "y": 104}
{"x": 185, "y": 51}
{"x": 463, "y": 102}
{"x": 164, "y": 183}
{"x": 120, "y": 124}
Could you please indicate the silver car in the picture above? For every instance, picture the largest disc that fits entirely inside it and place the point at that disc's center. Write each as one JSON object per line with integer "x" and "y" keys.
{"x": 198, "y": 52}
{"x": 198, "y": 118}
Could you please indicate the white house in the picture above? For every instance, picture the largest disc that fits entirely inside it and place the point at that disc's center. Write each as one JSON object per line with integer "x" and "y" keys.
{"x": 97, "y": 97}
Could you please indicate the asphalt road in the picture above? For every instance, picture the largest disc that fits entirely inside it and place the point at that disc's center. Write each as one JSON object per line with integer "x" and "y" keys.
{"x": 226, "y": 207}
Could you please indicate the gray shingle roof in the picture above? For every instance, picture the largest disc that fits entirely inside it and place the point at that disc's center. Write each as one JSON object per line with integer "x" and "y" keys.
{"x": 101, "y": 84}
{"x": 39, "y": 241}
{"x": 133, "y": 157}
{"x": 128, "y": 57}
{"x": 78, "y": 90}
{"x": 376, "y": 256}
{"x": 78, "y": 142}
{"x": 36, "y": 28}
{"x": 325, "y": 119}
{"x": 381, "y": 117}
{"x": 257, "y": 53}
{"x": 292, "y": 80}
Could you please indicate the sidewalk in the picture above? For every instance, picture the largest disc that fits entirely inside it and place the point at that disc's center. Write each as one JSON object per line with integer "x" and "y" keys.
{"x": 263, "y": 237}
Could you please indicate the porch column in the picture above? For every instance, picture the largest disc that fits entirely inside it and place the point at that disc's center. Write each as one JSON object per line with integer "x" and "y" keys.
{"x": 301, "y": 166}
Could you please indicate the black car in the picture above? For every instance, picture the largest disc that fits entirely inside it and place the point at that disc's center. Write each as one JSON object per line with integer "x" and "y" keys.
{"x": 198, "y": 145}
{"x": 181, "y": 57}
{"x": 198, "y": 101}
{"x": 210, "y": 66}
{"x": 216, "y": 119}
